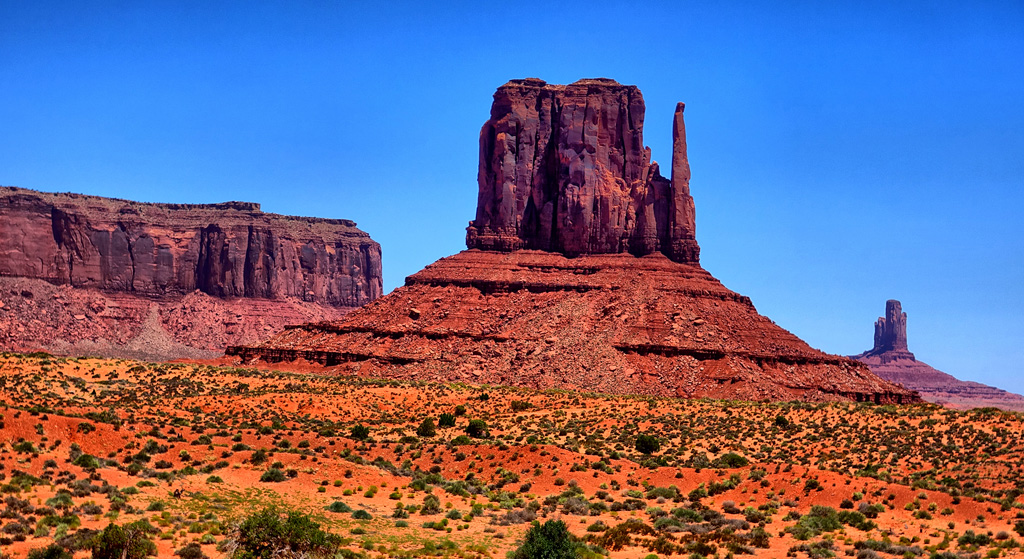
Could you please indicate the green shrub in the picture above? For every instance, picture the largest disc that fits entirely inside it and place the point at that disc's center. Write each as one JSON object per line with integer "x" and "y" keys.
{"x": 362, "y": 515}
{"x": 431, "y": 505}
{"x": 267, "y": 533}
{"x": 258, "y": 457}
{"x": 191, "y": 551}
{"x": 446, "y": 420}
{"x": 338, "y": 506}
{"x": 550, "y": 540}
{"x": 53, "y": 551}
{"x": 647, "y": 444}
{"x": 61, "y": 500}
{"x": 477, "y": 428}
{"x": 360, "y": 432}
{"x": 426, "y": 429}
{"x": 273, "y": 475}
{"x": 87, "y": 462}
{"x": 733, "y": 460}
{"x": 820, "y": 519}
{"x": 130, "y": 541}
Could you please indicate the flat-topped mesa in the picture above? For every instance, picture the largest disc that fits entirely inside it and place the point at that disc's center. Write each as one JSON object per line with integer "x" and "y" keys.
{"x": 227, "y": 250}
{"x": 563, "y": 168}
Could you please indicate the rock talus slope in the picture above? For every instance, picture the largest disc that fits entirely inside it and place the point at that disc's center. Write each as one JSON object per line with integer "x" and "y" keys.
{"x": 582, "y": 272}
{"x": 78, "y": 269}
{"x": 890, "y": 359}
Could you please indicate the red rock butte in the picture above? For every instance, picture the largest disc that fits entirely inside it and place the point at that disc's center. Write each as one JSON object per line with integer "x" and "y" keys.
{"x": 582, "y": 273}
{"x": 891, "y": 360}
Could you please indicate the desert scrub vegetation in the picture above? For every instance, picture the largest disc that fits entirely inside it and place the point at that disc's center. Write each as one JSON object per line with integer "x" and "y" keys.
{"x": 93, "y": 442}
{"x": 271, "y": 532}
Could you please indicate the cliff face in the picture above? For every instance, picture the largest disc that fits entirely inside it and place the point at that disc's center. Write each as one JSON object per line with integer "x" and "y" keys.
{"x": 582, "y": 273}
{"x": 891, "y": 360}
{"x": 563, "y": 168}
{"x": 225, "y": 250}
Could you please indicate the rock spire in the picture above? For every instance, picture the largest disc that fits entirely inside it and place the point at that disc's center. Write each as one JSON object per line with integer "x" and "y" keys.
{"x": 891, "y": 360}
{"x": 891, "y": 332}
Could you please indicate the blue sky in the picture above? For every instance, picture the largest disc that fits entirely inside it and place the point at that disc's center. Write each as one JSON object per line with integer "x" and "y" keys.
{"x": 842, "y": 154}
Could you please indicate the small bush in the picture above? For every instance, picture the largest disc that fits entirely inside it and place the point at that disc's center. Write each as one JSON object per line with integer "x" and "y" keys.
{"x": 338, "y": 506}
{"x": 87, "y": 461}
{"x": 426, "y": 429}
{"x": 53, "y": 551}
{"x": 477, "y": 428}
{"x": 124, "y": 542}
{"x": 270, "y": 532}
{"x": 191, "y": 551}
{"x": 550, "y": 540}
{"x": 360, "y": 432}
{"x": 647, "y": 444}
{"x": 258, "y": 457}
{"x": 431, "y": 505}
{"x": 273, "y": 475}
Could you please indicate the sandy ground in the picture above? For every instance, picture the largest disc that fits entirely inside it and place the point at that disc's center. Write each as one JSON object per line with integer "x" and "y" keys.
{"x": 564, "y": 455}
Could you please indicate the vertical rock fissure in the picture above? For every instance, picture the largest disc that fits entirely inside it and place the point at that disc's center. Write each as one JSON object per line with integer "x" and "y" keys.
{"x": 131, "y": 256}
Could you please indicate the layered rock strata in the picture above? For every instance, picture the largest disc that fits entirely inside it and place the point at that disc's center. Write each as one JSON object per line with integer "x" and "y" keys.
{"x": 225, "y": 250}
{"x": 891, "y": 359}
{"x": 84, "y": 274}
{"x": 563, "y": 168}
{"x": 605, "y": 323}
{"x": 582, "y": 273}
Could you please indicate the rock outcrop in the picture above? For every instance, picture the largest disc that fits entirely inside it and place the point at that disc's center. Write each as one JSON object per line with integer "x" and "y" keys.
{"x": 582, "y": 273}
{"x": 88, "y": 272}
{"x": 225, "y": 250}
{"x": 891, "y": 360}
{"x": 563, "y": 168}
{"x": 891, "y": 334}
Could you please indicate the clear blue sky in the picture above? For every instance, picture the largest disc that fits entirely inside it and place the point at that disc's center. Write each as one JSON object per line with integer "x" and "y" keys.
{"x": 842, "y": 155}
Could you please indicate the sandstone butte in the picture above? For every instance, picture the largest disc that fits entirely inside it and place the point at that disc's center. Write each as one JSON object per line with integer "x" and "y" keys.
{"x": 582, "y": 272}
{"x": 891, "y": 359}
{"x": 117, "y": 277}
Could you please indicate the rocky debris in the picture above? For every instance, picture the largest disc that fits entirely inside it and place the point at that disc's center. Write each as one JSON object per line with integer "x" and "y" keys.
{"x": 891, "y": 359}
{"x": 582, "y": 274}
{"x": 156, "y": 250}
{"x": 563, "y": 168}
{"x": 69, "y": 320}
{"x": 605, "y": 323}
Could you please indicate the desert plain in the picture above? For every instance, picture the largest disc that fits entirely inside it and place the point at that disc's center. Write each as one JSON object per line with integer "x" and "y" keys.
{"x": 192, "y": 448}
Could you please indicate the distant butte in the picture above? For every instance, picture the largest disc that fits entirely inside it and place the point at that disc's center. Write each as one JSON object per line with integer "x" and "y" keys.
{"x": 582, "y": 273}
{"x": 891, "y": 359}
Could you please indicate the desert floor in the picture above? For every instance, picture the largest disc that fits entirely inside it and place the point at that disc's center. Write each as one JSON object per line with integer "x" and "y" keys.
{"x": 85, "y": 442}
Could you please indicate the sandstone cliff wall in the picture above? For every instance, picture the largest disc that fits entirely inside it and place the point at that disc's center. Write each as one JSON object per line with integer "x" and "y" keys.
{"x": 225, "y": 250}
{"x": 563, "y": 168}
